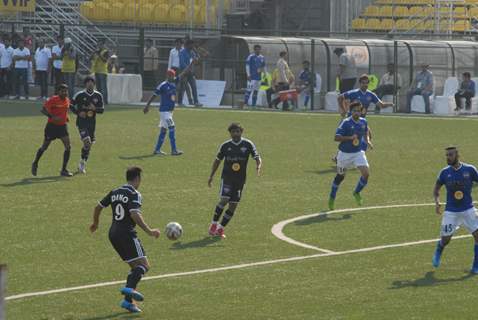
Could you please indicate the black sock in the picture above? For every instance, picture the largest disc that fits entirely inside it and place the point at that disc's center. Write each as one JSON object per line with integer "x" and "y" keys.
{"x": 85, "y": 153}
{"x": 135, "y": 276}
{"x": 39, "y": 154}
{"x": 227, "y": 217}
{"x": 218, "y": 213}
{"x": 66, "y": 158}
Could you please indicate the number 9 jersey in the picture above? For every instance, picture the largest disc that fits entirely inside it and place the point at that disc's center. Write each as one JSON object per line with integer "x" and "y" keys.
{"x": 123, "y": 201}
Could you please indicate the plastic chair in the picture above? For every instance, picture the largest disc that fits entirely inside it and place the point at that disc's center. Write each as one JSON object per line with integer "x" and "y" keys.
{"x": 445, "y": 104}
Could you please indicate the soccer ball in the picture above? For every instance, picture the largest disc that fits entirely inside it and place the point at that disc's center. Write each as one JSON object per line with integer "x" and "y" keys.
{"x": 174, "y": 231}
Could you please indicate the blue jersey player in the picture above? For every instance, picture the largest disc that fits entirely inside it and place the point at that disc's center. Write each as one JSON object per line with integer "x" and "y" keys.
{"x": 167, "y": 92}
{"x": 458, "y": 178}
{"x": 350, "y": 133}
{"x": 255, "y": 64}
{"x": 365, "y": 96}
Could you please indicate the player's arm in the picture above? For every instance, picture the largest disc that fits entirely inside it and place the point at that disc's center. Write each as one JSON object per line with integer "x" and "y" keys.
{"x": 258, "y": 165}
{"x": 148, "y": 104}
{"x": 342, "y": 101}
{"x": 368, "y": 136}
{"x": 436, "y": 196}
{"x": 100, "y": 106}
{"x": 138, "y": 219}
{"x": 46, "y": 111}
{"x": 96, "y": 218}
{"x": 215, "y": 166}
{"x": 248, "y": 68}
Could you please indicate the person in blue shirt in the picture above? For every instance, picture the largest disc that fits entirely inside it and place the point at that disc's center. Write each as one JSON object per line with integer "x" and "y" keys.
{"x": 362, "y": 94}
{"x": 255, "y": 64}
{"x": 306, "y": 81}
{"x": 467, "y": 90}
{"x": 167, "y": 93}
{"x": 350, "y": 133}
{"x": 458, "y": 178}
{"x": 187, "y": 59}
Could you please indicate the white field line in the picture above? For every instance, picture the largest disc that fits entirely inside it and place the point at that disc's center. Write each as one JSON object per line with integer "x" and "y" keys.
{"x": 240, "y": 266}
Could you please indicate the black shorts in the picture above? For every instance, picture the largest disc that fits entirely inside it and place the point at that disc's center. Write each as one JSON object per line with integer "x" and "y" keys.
{"x": 87, "y": 131}
{"x": 53, "y": 131}
{"x": 231, "y": 190}
{"x": 128, "y": 246}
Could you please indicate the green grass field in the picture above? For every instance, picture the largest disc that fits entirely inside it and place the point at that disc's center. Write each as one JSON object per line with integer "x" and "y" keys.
{"x": 46, "y": 243}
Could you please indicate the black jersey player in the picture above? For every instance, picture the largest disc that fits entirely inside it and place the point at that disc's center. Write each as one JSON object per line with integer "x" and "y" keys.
{"x": 86, "y": 104}
{"x": 235, "y": 153}
{"x": 125, "y": 203}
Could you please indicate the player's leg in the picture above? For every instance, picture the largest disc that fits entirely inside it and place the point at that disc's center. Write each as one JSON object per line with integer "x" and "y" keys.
{"x": 247, "y": 94}
{"x": 85, "y": 150}
{"x": 43, "y": 148}
{"x": 224, "y": 197}
{"x": 226, "y": 218}
{"x": 450, "y": 222}
{"x": 343, "y": 162}
{"x": 255, "y": 91}
{"x": 470, "y": 221}
{"x": 172, "y": 135}
{"x": 360, "y": 161}
{"x": 163, "y": 125}
{"x": 66, "y": 155}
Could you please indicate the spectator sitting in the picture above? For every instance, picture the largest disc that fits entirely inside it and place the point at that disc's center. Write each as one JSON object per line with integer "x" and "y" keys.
{"x": 387, "y": 83}
{"x": 306, "y": 81}
{"x": 467, "y": 90}
{"x": 421, "y": 86}
{"x": 347, "y": 72}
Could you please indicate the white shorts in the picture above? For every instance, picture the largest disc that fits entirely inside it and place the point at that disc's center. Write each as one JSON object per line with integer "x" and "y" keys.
{"x": 452, "y": 220}
{"x": 253, "y": 85}
{"x": 166, "y": 120}
{"x": 350, "y": 160}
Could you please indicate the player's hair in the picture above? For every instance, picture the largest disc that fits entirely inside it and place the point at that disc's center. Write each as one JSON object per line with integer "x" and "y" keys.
{"x": 235, "y": 126}
{"x": 355, "y": 104}
{"x": 282, "y": 54}
{"x": 306, "y": 61}
{"x": 467, "y": 74}
{"x": 451, "y": 148}
{"x": 88, "y": 79}
{"x": 364, "y": 77}
{"x": 257, "y": 46}
{"x": 178, "y": 40}
{"x": 189, "y": 42}
{"x": 62, "y": 86}
{"x": 133, "y": 173}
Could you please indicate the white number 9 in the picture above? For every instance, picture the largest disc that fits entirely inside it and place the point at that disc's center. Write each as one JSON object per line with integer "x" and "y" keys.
{"x": 119, "y": 212}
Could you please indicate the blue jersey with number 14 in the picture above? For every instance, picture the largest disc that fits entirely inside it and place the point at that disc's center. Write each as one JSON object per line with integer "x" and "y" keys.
{"x": 459, "y": 184}
{"x": 167, "y": 91}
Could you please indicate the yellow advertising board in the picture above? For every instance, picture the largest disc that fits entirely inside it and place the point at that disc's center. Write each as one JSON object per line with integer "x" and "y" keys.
{"x": 17, "y": 5}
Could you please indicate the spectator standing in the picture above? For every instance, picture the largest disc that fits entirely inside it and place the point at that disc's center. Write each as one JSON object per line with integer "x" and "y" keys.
{"x": 68, "y": 67}
{"x": 99, "y": 63}
{"x": 28, "y": 41}
{"x": 255, "y": 64}
{"x": 187, "y": 59}
{"x": 21, "y": 58}
{"x": 283, "y": 79}
{"x": 150, "y": 64}
{"x": 306, "y": 81}
{"x": 347, "y": 72}
{"x": 467, "y": 90}
{"x": 421, "y": 86}
{"x": 57, "y": 58}
{"x": 174, "y": 64}
{"x": 43, "y": 58}
{"x": 266, "y": 86}
{"x": 387, "y": 83}
{"x": 6, "y": 74}
{"x": 113, "y": 64}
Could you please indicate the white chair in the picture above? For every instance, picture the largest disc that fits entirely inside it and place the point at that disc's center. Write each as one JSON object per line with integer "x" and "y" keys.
{"x": 418, "y": 104}
{"x": 445, "y": 104}
{"x": 331, "y": 103}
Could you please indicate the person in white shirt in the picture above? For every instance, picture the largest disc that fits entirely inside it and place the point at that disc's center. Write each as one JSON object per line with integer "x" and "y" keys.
{"x": 21, "y": 58}
{"x": 173, "y": 63}
{"x": 6, "y": 78}
{"x": 150, "y": 63}
{"x": 57, "y": 58}
{"x": 387, "y": 83}
{"x": 43, "y": 57}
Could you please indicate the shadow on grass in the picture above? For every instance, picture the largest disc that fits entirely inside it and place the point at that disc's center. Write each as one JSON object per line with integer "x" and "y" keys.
{"x": 120, "y": 315}
{"x": 196, "y": 244}
{"x": 28, "y": 181}
{"x": 323, "y": 218}
{"x": 428, "y": 280}
{"x": 141, "y": 157}
{"x": 332, "y": 169}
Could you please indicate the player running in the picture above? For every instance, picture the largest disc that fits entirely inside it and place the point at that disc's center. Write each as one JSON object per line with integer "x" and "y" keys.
{"x": 86, "y": 104}
{"x": 125, "y": 203}
{"x": 255, "y": 64}
{"x": 351, "y": 154}
{"x": 167, "y": 92}
{"x": 458, "y": 178}
{"x": 235, "y": 153}
{"x": 56, "y": 109}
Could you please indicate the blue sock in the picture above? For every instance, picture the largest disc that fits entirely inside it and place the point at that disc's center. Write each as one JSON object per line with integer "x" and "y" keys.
{"x": 333, "y": 192}
{"x": 475, "y": 260}
{"x": 440, "y": 248}
{"x": 360, "y": 185}
{"x": 172, "y": 138}
{"x": 306, "y": 100}
{"x": 254, "y": 98}
{"x": 161, "y": 138}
